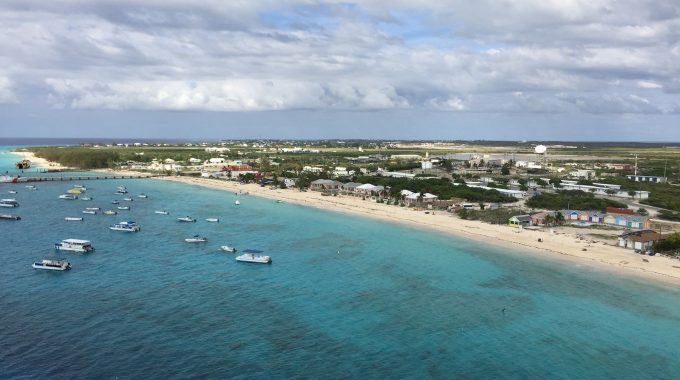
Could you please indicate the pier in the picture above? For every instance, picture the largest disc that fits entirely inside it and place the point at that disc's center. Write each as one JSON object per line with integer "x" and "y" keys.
{"x": 85, "y": 177}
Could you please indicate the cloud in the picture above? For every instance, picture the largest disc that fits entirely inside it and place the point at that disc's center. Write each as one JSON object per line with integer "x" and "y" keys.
{"x": 597, "y": 56}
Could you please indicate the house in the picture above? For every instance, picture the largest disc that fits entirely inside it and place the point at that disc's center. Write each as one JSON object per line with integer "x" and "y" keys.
{"x": 416, "y": 197}
{"x": 646, "y": 178}
{"x": 640, "y": 240}
{"x": 289, "y": 182}
{"x": 325, "y": 184}
{"x": 350, "y": 187}
{"x": 366, "y": 188}
{"x": 520, "y": 220}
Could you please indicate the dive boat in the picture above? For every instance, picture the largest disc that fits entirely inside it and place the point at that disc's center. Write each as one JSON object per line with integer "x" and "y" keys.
{"x": 196, "y": 239}
{"x": 10, "y": 217}
{"x": 186, "y": 219}
{"x": 91, "y": 212}
{"x": 68, "y": 196}
{"x": 129, "y": 226}
{"x": 75, "y": 245}
{"x": 73, "y": 219}
{"x": 250, "y": 256}
{"x": 227, "y": 248}
{"x": 110, "y": 212}
{"x": 162, "y": 212}
{"x": 123, "y": 207}
{"x": 142, "y": 196}
{"x": 9, "y": 202}
{"x": 213, "y": 220}
{"x": 52, "y": 264}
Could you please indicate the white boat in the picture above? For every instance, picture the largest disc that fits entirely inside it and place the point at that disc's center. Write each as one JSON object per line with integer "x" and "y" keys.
{"x": 73, "y": 219}
{"x": 110, "y": 212}
{"x": 121, "y": 187}
{"x": 128, "y": 199}
{"x": 91, "y": 212}
{"x": 92, "y": 208}
{"x": 86, "y": 198}
{"x": 129, "y": 226}
{"x": 80, "y": 187}
{"x": 68, "y": 196}
{"x": 123, "y": 207}
{"x": 9, "y": 202}
{"x": 9, "y": 217}
{"x": 142, "y": 196}
{"x": 213, "y": 220}
{"x": 196, "y": 239}
{"x": 186, "y": 219}
{"x": 114, "y": 202}
{"x": 12, "y": 191}
{"x": 75, "y": 245}
{"x": 227, "y": 248}
{"x": 237, "y": 202}
{"x": 52, "y": 264}
{"x": 250, "y": 256}
{"x": 31, "y": 187}
{"x": 162, "y": 212}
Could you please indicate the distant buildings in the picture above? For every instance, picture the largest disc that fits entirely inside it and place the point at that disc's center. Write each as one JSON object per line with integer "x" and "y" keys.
{"x": 640, "y": 240}
{"x": 646, "y": 178}
{"x": 604, "y": 189}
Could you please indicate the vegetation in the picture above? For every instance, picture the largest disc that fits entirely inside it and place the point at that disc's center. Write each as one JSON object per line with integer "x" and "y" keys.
{"x": 497, "y": 216}
{"x": 81, "y": 158}
{"x": 573, "y": 200}
{"x": 670, "y": 244}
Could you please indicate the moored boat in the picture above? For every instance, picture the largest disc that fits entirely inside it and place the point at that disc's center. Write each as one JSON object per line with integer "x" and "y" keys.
{"x": 75, "y": 190}
{"x": 128, "y": 199}
{"x": 110, "y": 212}
{"x": 142, "y": 196}
{"x": 91, "y": 212}
{"x": 227, "y": 248}
{"x": 92, "y": 208}
{"x": 251, "y": 256}
{"x": 52, "y": 264}
{"x": 212, "y": 220}
{"x": 73, "y": 219}
{"x": 114, "y": 202}
{"x": 186, "y": 219}
{"x": 12, "y": 191}
{"x": 162, "y": 212}
{"x": 196, "y": 239}
{"x": 75, "y": 245}
{"x": 237, "y": 202}
{"x": 128, "y": 226}
{"x": 31, "y": 187}
{"x": 86, "y": 198}
{"x": 68, "y": 196}
{"x": 10, "y": 217}
{"x": 23, "y": 164}
{"x": 9, "y": 202}
{"x": 123, "y": 207}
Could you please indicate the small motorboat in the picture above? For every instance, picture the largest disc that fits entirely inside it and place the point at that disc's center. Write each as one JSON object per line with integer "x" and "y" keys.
{"x": 10, "y": 202}
{"x": 52, "y": 264}
{"x": 196, "y": 239}
{"x": 68, "y": 196}
{"x": 186, "y": 219}
{"x": 162, "y": 212}
{"x": 213, "y": 220}
{"x": 31, "y": 187}
{"x": 237, "y": 202}
{"x": 110, "y": 212}
{"x": 10, "y": 217}
{"x": 227, "y": 248}
{"x": 125, "y": 227}
{"x": 92, "y": 208}
{"x": 142, "y": 196}
{"x": 86, "y": 198}
{"x": 251, "y": 256}
{"x": 91, "y": 212}
{"x": 123, "y": 207}
{"x": 128, "y": 199}
{"x": 12, "y": 191}
{"x": 73, "y": 219}
{"x": 114, "y": 202}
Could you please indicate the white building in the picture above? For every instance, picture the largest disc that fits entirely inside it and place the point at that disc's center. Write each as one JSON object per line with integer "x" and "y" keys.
{"x": 217, "y": 150}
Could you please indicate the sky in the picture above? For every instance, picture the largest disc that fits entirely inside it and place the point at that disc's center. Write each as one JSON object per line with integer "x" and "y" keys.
{"x": 411, "y": 69}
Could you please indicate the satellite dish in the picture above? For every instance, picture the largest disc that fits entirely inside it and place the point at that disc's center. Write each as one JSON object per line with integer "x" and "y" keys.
{"x": 540, "y": 149}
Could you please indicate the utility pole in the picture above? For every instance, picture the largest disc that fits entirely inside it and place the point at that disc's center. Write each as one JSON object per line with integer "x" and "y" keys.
{"x": 636, "y": 164}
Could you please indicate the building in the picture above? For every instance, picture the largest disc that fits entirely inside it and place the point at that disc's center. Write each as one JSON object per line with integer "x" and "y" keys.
{"x": 325, "y": 184}
{"x": 640, "y": 240}
{"x": 350, "y": 187}
{"x": 416, "y": 197}
{"x": 646, "y": 178}
{"x": 604, "y": 189}
{"x": 216, "y": 150}
{"x": 520, "y": 221}
{"x": 289, "y": 182}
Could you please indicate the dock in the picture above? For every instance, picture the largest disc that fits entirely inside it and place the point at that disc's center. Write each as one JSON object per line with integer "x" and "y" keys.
{"x": 85, "y": 177}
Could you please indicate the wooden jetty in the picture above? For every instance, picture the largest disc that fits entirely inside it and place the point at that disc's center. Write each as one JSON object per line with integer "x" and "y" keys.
{"x": 85, "y": 177}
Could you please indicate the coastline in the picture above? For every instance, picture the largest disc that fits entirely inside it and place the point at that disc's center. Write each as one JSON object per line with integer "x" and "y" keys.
{"x": 562, "y": 247}
{"x": 38, "y": 162}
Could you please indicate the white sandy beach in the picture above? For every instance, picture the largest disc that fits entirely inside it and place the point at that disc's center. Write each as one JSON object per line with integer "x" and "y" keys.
{"x": 38, "y": 162}
{"x": 564, "y": 247}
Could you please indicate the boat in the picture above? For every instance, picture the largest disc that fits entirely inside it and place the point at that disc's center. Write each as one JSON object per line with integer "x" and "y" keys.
{"x": 121, "y": 187}
{"x": 227, "y": 248}
{"x": 86, "y": 198}
{"x": 128, "y": 199}
{"x": 279, "y": 201}
{"x": 9, "y": 202}
{"x": 196, "y": 239}
{"x": 68, "y": 196}
{"x": 52, "y": 264}
{"x": 123, "y": 207}
{"x": 237, "y": 202}
{"x": 74, "y": 191}
{"x": 31, "y": 187}
{"x": 73, "y": 219}
{"x": 12, "y": 191}
{"x": 213, "y": 220}
{"x": 23, "y": 164}
{"x": 121, "y": 192}
{"x": 162, "y": 212}
{"x": 75, "y": 245}
{"x": 142, "y": 196}
{"x": 91, "y": 212}
{"x": 80, "y": 187}
{"x": 92, "y": 208}
{"x": 10, "y": 217}
{"x": 129, "y": 226}
{"x": 110, "y": 212}
{"x": 186, "y": 219}
{"x": 251, "y": 256}
{"x": 114, "y": 202}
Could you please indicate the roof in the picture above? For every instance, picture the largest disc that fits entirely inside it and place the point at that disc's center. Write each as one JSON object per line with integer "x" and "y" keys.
{"x": 366, "y": 186}
{"x": 76, "y": 241}
{"x": 644, "y": 235}
{"x": 522, "y": 218}
{"x": 351, "y": 184}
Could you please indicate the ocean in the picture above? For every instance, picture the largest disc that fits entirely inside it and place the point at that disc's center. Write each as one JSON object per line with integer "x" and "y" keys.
{"x": 345, "y": 297}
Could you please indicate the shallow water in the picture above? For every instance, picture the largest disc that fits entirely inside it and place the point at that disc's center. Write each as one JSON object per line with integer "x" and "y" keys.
{"x": 345, "y": 297}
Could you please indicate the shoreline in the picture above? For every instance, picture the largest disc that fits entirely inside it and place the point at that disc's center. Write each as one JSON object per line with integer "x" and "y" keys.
{"x": 561, "y": 247}
{"x": 38, "y": 162}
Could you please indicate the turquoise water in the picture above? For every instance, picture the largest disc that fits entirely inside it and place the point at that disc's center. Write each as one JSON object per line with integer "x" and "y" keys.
{"x": 346, "y": 297}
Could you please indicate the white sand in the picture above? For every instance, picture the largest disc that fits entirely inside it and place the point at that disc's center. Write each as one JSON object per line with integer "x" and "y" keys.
{"x": 37, "y": 162}
{"x": 564, "y": 247}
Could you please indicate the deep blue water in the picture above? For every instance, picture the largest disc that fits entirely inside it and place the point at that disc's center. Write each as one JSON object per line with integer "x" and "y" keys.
{"x": 346, "y": 297}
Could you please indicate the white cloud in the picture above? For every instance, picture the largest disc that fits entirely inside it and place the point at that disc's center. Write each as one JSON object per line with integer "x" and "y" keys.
{"x": 7, "y": 94}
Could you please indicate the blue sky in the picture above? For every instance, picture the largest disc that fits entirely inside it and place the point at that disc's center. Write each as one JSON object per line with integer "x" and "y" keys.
{"x": 569, "y": 69}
